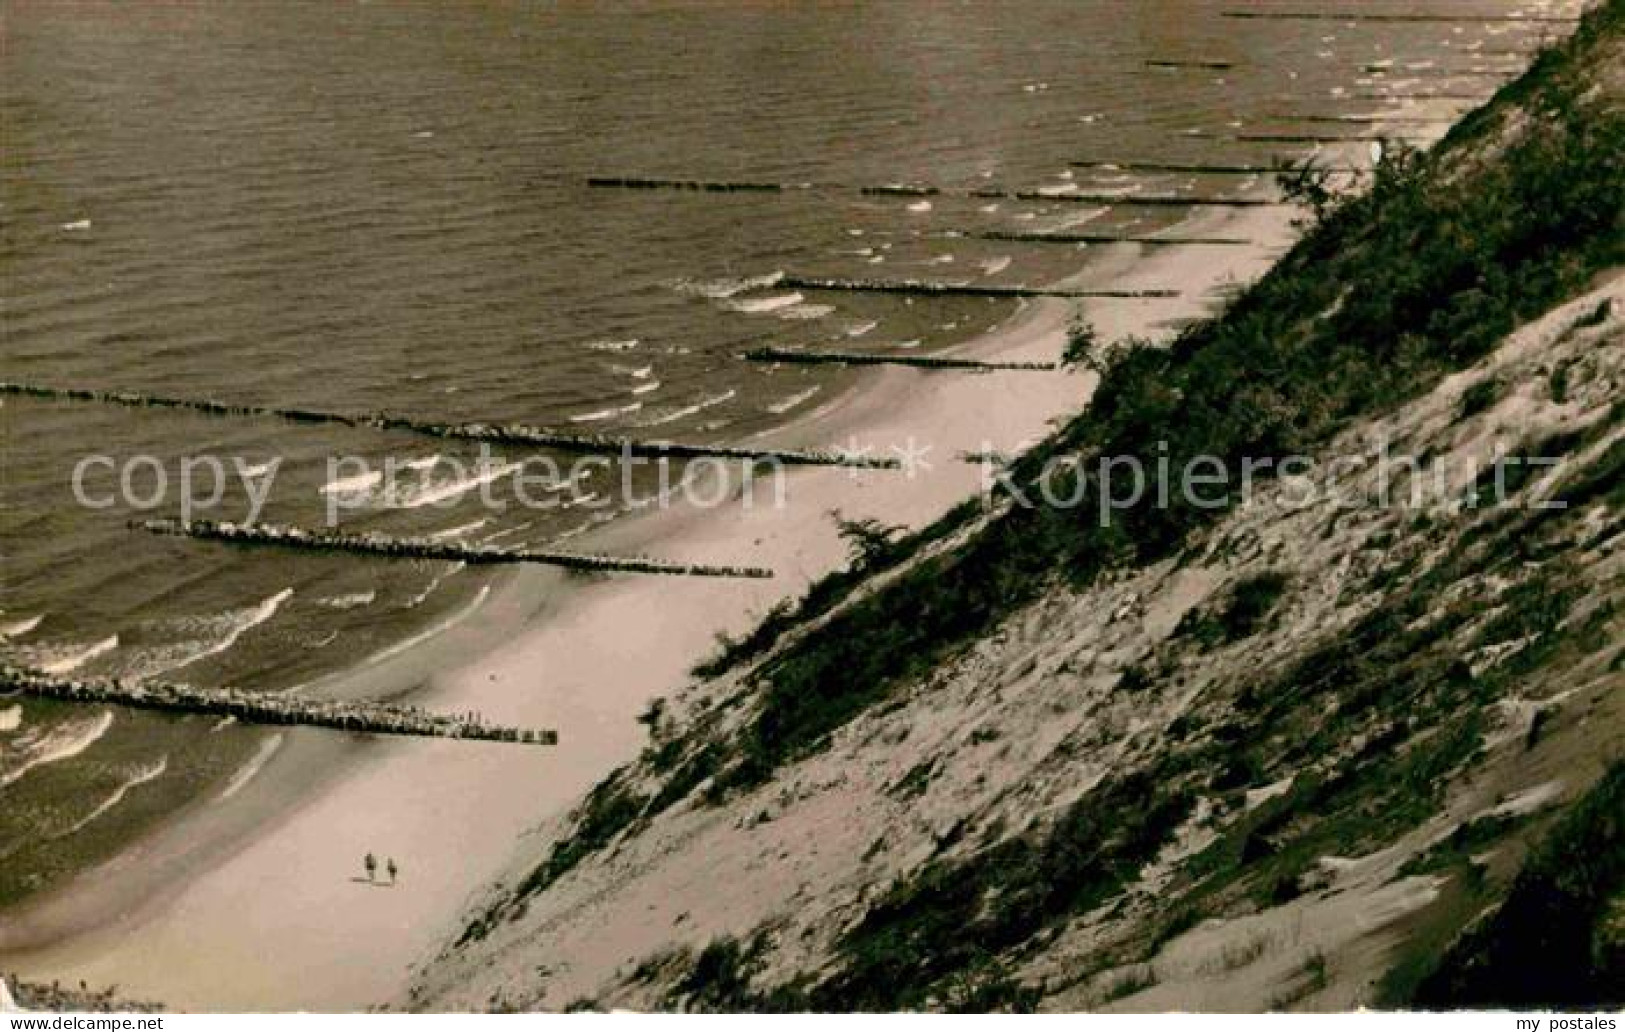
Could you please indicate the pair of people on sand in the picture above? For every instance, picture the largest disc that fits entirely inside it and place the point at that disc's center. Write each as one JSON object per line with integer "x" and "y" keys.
{"x": 371, "y": 865}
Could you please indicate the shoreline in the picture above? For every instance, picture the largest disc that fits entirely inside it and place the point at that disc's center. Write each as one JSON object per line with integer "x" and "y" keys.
{"x": 185, "y": 931}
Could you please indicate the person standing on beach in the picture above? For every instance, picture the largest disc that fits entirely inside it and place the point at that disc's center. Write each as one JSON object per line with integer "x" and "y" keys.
{"x": 371, "y": 864}
{"x": 389, "y": 865}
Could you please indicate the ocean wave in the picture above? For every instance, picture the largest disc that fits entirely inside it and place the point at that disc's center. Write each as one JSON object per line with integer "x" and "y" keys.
{"x": 256, "y": 763}
{"x": 994, "y": 266}
{"x": 608, "y": 413}
{"x": 458, "y": 531}
{"x": 645, "y": 388}
{"x": 53, "y": 744}
{"x": 434, "y": 582}
{"x": 673, "y": 415}
{"x": 862, "y": 328}
{"x": 259, "y": 469}
{"x": 11, "y": 718}
{"x": 636, "y": 372}
{"x": 432, "y": 493}
{"x": 805, "y": 313}
{"x": 509, "y": 532}
{"x": 762, "y": 305}
{"x": 65, "y": 660}
{"x": 444, "y": 625}
{"x": 352, "y": 601}
{"x": 783, "y": 405}
{"x": 612, "y": 345}
{"x": 920, "y": 206}
{"x": 206, "y": 636}
{"x": 20, "y": 627}
{"x": 359, "y": 484}
{"x": 725, "y": 288}
{"x": 140, "y": 776}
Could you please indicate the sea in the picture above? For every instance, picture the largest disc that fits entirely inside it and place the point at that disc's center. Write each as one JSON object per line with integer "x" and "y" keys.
{"x": 363, "y": 207}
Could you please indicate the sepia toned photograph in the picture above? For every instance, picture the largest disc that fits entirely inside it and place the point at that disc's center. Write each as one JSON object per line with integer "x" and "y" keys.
{"x": 694, "y": 507}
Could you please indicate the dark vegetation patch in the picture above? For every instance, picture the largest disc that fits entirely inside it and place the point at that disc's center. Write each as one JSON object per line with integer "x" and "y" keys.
{"x": 1245, "y": 610}
{"x": 936, "y": 937}
{"x": 1551, "y": 944}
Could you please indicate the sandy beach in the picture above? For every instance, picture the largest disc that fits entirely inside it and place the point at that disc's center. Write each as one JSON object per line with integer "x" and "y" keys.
{"x": 256, "y": 902}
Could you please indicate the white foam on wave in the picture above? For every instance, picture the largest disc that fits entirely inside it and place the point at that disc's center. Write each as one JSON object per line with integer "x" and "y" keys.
{"x": 432, "y": 493}
{"x": 434, "y": 582}
{"x": 351, "y": 601}
{"x": 140, "y": 776}
{"x": 612, "y": 345}
{"x": 439, "y": 628}
{"x": 359, "y": 484}
{"x": 674, "y": 415}
{"x": 994, "y": 266}
{"x": 53, "y": 744}
{"x": 805, "y": 313}
{"x": 783, "y": 405}
{"x": 20, "y": 627}
{"x": 458, "y": 531}
{"x": 419, "y": 465}
{"x": 77, "y": 226}
{"x": 920, "y": 206}
{"x": 725, "y": 288}
{"x": 645, "y": 388}
{"x": 256, "y": 763}
{"x": 509, "y": 532}
{"x": 608, "y": 413}
{"x": 636, "y": 372}
{"x": 761, "y": 305}
{"x": 11, "y": 718}
{"x": 259, "y": 469}
{"x": 862, "y": 328}
{"x": 209, "y": 636}
{"x": 69, "y": 661}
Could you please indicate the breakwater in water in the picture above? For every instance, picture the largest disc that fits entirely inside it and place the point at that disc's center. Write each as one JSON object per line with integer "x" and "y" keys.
{"x": 1111, "y": 238}
{"x": 808, "y": 357}
{"x": 267, "y": 708}
{"x": 493, "y": 433}
{"x": 923, "y": 190}
{"x": 960, "y": 289}
{"x": 270, "y": 534}
{"x": 1376, "y": 16}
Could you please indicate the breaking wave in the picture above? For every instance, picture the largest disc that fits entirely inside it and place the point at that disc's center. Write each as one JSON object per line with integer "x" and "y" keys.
{"x": 50, "y": 745}
{"x": 142, "y": 775}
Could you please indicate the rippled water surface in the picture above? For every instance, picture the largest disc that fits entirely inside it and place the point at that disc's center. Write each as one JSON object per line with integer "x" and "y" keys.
{"x": 382, "y": 206}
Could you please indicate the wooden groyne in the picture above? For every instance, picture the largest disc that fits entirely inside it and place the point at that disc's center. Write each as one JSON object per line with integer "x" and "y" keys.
{"x": 700, "y": 185}
{"x": 492, "y": 433}
{"x": 1321, "y": 138}
{"x": 926, "y": 190}
{"x": 809, "y": 357}
{"x": 1212, "y": 66}
{"x": 275, "y": 535}
{"x": 1440, "y": 95}
{"x": 1362, "y": 119}
{"x": 1439, "y": 73}
{"x": 1174, "y": 166}
{"x": 959, "y": 289}
{"x": 1109, "y": 238}
{"x": 1375, "y": 16}
{"x": 901, "y": 190}
{"x": 266, "y": 707}
{"x": 1134, "y": 200}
